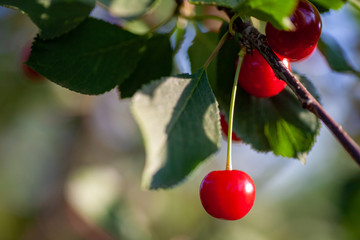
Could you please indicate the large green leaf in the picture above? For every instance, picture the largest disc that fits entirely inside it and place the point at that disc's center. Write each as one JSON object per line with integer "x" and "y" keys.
{"x": 179, "y": 120}
{"x": 335, "y": 55}
{"x": 278, "y": 124}
{"x": 91, "y": 59}
{"x": 156, "y": 62}
{"x": 276, "y": 12}
{"x": 53, "y": 17}
{"x": 126, "y": 8}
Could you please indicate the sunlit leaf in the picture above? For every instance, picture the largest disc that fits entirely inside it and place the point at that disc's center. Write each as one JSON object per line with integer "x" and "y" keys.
{"x": 179, "y": 120}
{"x": 276, "y": 12}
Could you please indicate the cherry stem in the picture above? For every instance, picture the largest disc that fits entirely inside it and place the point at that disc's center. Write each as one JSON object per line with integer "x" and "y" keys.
{"x": 217, "y": 49}
{"x": 251, "y": 37}
{"x": 231, "y": 110}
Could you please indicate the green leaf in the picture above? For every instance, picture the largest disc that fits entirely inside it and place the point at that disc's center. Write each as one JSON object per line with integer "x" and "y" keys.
{"x": 128, "y": 9}
{"x": 221, "y": 3}
{"x": 329, "y": 4}
{"x": 91, "y": 59}
{"x": 320, "y": 8}
{"x": 276, "y": 12}
{"x": 278, "y": 124}
{"x": 53, "y": 17}
{"x": 179, "y": 120}
{"x": 335, "y": 55}
{"x": 156, "y": 62}
{"x": 355, "y": 4}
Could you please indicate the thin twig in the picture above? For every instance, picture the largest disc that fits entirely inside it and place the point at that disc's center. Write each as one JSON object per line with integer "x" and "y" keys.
{"x": 258, "y": 41}
{"x": 217, "y": 49}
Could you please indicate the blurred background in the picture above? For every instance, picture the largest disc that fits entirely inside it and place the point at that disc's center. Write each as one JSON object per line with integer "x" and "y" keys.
{"x": 71, "y": 164}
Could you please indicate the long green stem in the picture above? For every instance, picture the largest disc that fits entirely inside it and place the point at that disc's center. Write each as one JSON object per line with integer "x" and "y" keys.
{"x": 231, "y": 110}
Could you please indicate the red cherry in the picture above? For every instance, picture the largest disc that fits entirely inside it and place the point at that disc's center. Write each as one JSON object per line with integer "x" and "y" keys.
{"x": 225, "y": 129}
{"x": 28, "y": 71}
{"x": 257, "y": 77}
{"x": 300, "y": 43}
{"x": 227, "y": 194}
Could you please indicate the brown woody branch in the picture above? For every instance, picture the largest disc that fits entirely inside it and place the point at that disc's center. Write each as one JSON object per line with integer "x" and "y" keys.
{"x": 251, "y": 36}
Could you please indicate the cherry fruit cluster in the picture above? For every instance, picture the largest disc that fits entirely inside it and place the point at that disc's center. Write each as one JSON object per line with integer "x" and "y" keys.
{"x": 230, "y": 194}
{"x": 302, "y": 41}
{"x": 256, "y": 76}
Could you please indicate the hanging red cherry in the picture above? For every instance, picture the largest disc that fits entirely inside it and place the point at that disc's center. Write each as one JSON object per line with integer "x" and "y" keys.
{"x": 300, "y": 43}
{"x": 257, "y": 77}
{"x": 227, "y": 194}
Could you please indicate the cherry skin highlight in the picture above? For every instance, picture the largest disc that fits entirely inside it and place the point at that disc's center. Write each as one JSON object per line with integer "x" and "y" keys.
{"x": 300, "y": 43}
{"x": 257, "y": 78}
{"x": 227, "y": 194}
{"x": 225, "y": 129}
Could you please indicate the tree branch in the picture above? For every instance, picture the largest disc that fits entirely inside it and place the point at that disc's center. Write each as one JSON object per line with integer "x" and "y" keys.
{"x": 256, "y": 40}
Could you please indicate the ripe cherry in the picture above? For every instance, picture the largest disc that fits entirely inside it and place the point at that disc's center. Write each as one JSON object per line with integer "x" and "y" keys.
{"x": 300, "y": 43}
{"x": 225, "y": 129}
{"x": 227, "y": 194}
{"x": 257, "y": 77}
{"x": 28, "y": 71}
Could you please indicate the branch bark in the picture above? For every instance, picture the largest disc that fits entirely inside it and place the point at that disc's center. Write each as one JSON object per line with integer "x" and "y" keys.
{"x": 252, "y": 37}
